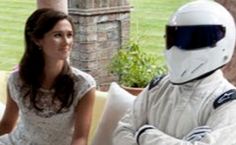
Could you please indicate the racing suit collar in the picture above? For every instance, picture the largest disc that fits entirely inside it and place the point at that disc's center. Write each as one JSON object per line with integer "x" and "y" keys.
{"x": 197, "y": 84}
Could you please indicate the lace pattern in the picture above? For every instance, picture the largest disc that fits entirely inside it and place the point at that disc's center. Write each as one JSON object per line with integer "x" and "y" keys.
{"x": 47, "y": 106}
{"x": 46, "y": 126}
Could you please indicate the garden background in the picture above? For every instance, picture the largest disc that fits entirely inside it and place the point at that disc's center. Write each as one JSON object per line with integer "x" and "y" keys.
{"x": 148, "y": 20}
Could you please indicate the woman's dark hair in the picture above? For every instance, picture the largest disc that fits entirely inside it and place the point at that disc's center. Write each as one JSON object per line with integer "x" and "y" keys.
{"x": 31, "y": 68}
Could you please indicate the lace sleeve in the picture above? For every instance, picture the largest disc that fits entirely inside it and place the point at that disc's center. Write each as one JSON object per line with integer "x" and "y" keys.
{"x": 84, "y": 84}
{"x": 14, "y": 85}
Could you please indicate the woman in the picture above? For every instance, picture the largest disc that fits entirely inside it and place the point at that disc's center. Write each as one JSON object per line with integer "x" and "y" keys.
{"x": 52, "y": 99}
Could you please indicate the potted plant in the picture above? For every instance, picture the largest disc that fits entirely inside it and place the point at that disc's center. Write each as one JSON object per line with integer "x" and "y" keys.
{"x": 134, "y": 67}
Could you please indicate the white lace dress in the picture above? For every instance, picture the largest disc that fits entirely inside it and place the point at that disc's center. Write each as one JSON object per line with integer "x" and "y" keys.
{"x": 46, "y": 127}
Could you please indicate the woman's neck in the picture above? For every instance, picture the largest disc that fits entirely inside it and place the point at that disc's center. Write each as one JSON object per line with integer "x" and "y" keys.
{"x": 51, "y": 71}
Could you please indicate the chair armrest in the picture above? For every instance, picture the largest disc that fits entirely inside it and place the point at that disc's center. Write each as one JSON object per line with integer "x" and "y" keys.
{"x": 100, "y": 100}
{"x": 3, "y": 86}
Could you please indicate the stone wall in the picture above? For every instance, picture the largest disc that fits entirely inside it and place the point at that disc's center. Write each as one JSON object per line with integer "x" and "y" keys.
{"x": 230, "y": 69}
{"x": 94, "y": 4}
{"x": 102, "y": 28}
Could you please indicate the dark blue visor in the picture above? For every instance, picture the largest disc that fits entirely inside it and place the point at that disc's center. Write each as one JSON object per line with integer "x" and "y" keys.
{"x": 194, "y": 37}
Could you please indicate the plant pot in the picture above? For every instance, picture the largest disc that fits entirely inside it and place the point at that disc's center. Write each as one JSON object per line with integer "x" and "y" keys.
{"x": 133, "y": 91}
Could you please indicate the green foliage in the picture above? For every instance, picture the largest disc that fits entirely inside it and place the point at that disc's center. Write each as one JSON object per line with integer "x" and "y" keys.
{"x": 134, "y": 67}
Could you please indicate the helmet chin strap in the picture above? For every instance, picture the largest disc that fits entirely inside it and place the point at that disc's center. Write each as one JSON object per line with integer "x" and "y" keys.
{"x": 198, "y": 78}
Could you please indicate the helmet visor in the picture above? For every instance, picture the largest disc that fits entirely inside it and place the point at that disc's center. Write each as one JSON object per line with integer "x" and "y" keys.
{"x": 193, "y": 37}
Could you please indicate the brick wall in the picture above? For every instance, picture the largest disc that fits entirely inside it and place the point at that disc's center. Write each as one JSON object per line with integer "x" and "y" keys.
{"x": 102, "y": 28}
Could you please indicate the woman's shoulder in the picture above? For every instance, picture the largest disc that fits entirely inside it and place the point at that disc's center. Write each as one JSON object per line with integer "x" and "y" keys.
{"x": 84, "y": 82}
{"x": 79, "y": 73}
{"x": 14, "y": 75}
{"x": 82, "y": 76}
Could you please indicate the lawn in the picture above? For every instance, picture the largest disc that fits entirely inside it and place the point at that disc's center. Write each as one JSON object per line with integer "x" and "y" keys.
{"x": 148, "y": 20}
{"x": 13, "y": 14}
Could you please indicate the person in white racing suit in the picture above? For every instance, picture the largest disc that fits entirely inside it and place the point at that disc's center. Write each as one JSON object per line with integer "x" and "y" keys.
{"x": 193, "y": 104}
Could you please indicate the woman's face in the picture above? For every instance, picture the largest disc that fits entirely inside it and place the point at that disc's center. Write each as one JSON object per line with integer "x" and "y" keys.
{"x": 57, "y": 43}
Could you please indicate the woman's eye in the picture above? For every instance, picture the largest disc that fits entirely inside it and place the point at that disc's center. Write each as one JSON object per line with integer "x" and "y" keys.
{"x": 70, "y": 35}
{"x": 57, "y": 35}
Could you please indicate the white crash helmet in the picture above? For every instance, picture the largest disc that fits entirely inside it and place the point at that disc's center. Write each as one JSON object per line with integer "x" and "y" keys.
{"x": 200, "y": 38}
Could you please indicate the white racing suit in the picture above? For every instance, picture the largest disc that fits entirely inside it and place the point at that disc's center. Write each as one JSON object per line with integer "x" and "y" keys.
{"x": 202, "y": 112}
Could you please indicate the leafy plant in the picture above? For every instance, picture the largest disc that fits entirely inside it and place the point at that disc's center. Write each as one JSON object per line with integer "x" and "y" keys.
{"x": 134, "y": 67}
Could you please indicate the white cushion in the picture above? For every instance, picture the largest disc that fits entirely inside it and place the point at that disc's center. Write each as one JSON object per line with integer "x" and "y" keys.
{"x": 117, "y": 104}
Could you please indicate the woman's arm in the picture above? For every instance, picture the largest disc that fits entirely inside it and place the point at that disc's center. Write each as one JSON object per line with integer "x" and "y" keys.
{"x": 10, "y": 115}
{"x": 83, "y": 117}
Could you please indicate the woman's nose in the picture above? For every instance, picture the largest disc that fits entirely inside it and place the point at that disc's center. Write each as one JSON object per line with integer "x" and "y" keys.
{"x": 67, "y": 40}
